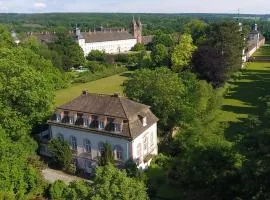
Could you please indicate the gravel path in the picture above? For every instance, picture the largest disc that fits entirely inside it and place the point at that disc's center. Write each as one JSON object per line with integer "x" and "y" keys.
{"x": 52, "y": 175}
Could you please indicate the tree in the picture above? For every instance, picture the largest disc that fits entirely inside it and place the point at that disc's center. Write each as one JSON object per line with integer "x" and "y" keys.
{"x": 18, "y": 178}
{"x": 57, "y": 190}
{"x": 96, "y": 55}
{"x": 70, "y": 52}
{"x": 173, "y": 98}
{"x": 111, "y": 183}
{"x": 138, "y": 47}
{"x": 75, "y": 56}
{"x": 220, "y": 55}
{"x": 160, "y": 55}
{"x": 196, "y": 28}
{"x": 182, "y": 53}
{"x": 132, "y": 169}
{"x": 162, "y": 38}
{"x": 107, "y": 155}
{"x": 61, "y": 153}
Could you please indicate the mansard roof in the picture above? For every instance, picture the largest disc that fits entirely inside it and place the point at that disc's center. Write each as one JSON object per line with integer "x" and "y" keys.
{"x": 114, "y": 106}
{"x": 102, "y": 36}
{"x": 108, "y": 105}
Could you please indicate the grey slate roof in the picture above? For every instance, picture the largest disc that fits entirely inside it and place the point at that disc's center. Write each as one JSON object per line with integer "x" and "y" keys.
{"x": 106, "y": 36}
{"x": 114, "y": 106}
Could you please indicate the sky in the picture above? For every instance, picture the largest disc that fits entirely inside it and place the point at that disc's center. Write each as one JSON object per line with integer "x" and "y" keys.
{"x": 136, "y": 6}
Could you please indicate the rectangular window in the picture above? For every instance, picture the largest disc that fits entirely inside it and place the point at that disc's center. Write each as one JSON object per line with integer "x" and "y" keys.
{"x": 101, "y": 125}
{"x": 151, "y": 139}
{"x": 145, "y": 145}
{"x": 94, "y": 122}
{"x": 117, "y": 127}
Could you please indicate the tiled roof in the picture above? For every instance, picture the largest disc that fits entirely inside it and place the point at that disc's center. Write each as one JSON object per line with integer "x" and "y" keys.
{"x": 114, "y": 106}
{"x": 106, "y": 36}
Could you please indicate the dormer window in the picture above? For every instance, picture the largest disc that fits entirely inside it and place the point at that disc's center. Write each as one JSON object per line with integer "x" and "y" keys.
{"x": 85, "y": 121}
{"x": 94, "y": 121}
{"x": 58, "y": 117}
{"x": 101, "y": 125}
{"x": 110, "y": 124}
{"x": 117, "y": 127}
{"x": 143, "y": 120}
{"x": 71, "y": 119}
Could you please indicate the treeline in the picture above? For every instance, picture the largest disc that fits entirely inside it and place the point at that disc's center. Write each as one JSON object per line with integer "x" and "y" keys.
{"x": 28, "y": 80}
{"x": 168, "y": 23}
{"x": 182, "y": 84}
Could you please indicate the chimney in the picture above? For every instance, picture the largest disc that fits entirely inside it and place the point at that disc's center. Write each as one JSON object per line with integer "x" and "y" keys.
{"x": 85, "y": 92}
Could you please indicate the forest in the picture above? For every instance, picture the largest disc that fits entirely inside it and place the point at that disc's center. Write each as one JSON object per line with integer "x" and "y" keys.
{"x": 183, "y": 76}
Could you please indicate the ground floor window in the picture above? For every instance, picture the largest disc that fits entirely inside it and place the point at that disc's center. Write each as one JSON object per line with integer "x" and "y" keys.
{"x": 88, "y": 164}
{"x": 118, "y": 153}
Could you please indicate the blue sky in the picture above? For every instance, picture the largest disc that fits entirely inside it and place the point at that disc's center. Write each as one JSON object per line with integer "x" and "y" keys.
{"x": 153, "y": 6}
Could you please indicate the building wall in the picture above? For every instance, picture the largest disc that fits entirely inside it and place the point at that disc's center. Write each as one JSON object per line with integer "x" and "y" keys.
{"x": 152, "y": 148}
{"x": 129, "y": 148}
{"x": 111, "y": 47}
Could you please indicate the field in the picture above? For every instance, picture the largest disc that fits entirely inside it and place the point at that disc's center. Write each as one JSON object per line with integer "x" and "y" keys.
{"x": 243, "y": 97}
{"x": 107, "y": 85}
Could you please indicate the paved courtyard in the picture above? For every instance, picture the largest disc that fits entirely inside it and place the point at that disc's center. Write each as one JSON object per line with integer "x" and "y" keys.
{"x": 52, "y": 175}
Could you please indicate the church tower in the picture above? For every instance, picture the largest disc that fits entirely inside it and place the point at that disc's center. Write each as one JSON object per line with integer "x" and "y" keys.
{"x": 137, "y": 29}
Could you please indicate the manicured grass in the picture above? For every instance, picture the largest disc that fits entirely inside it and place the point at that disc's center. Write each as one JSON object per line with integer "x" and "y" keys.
{"x": 263, "y": 51}
{"x": 107, "y": 85}
{"x": 243, "y": 96}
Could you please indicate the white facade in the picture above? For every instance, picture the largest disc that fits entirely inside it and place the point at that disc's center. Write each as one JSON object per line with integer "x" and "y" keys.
{"x": 111, "y": 47}
{"x": 123, "y": 149}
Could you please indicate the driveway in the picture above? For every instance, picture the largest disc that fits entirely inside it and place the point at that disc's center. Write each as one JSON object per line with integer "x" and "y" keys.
{"x": 52, "y": 175}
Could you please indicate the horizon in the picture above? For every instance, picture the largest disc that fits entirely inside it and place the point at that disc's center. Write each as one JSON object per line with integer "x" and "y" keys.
{"x": 136, "y": 6}
{"x": 165, "y": 13}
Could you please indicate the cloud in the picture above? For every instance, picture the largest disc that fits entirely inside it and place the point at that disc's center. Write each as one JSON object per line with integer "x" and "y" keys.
{"x": 40, "y": 5}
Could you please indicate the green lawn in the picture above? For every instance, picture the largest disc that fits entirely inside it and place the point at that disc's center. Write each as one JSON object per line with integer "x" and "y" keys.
{"x": 244, "y": 93}
{"x": 107, "y": 85}
{"x": 263, "y": 51}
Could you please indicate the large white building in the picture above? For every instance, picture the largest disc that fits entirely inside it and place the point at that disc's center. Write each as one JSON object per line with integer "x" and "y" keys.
{"x": 110, "y": 40}
{"x": 91, "y": 120}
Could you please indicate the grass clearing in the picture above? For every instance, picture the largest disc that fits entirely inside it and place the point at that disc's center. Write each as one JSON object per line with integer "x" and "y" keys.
{"x": 263, "y": 51}
{"x": 242, "y": 98}
{"x": 107, "y": 85}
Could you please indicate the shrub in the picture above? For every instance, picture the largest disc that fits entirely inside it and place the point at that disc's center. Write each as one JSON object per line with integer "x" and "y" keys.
{"x": 138, "y": 47}
{"x": 61, "y": 153}
{"x": 96, "y": 55}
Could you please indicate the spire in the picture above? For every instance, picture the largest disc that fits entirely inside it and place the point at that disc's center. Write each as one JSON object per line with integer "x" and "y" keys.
{"x": 133, "y": 20}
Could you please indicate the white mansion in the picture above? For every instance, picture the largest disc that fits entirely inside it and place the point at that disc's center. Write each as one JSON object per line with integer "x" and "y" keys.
{"x": 91, "y": 120}
{"x": 109, "y": 40}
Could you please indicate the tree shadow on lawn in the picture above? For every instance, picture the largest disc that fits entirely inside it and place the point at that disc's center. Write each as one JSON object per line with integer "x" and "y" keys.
{"x": 248, "y": 90}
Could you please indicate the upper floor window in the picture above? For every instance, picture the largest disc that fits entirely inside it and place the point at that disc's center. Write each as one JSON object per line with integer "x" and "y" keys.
{"x": 139, "y": 150}
{"x": 94, "y": 121}
{"x": 80, "y": 120}
{"x": 66, "y": 117}
{"x": 87, "y": 146}
{"x": 73, "y": 143}
{"x": 118, "y": 127}
{"x": 145, "y": 145}
{"x": 60, "y": 136}
{"x": 58, "y": 117}
{"x": 101, "y": 149}
{"x": 85, "y": 121}
{"x": 101, "y": 125}
{"x": 71, "y": 119}
{"x": 118, "y": 152}
{"x": 110, "y": 124}
{"x": 151, "y": 139}
{"x": 143, "y": 120}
